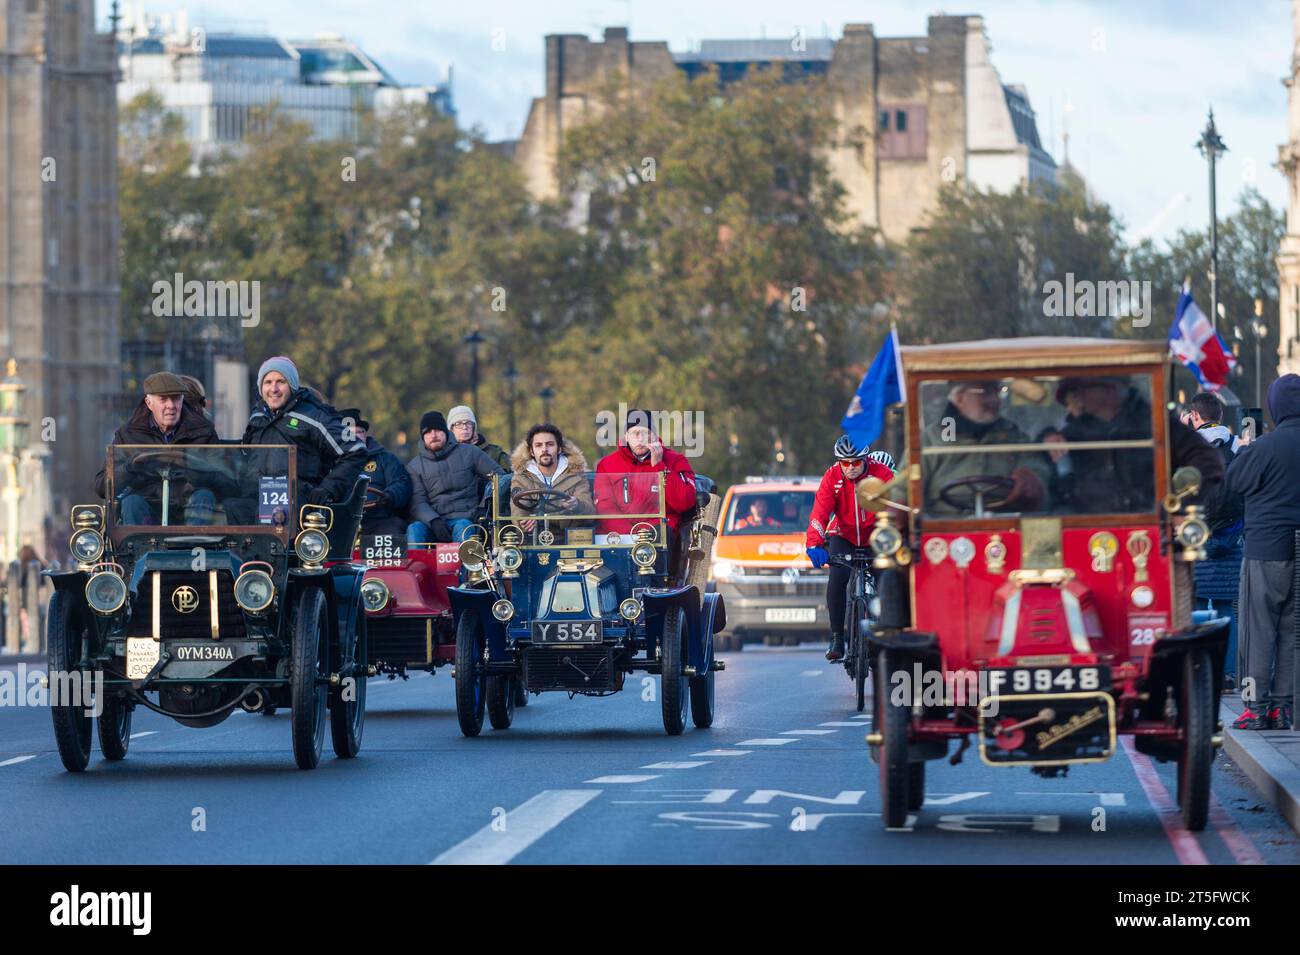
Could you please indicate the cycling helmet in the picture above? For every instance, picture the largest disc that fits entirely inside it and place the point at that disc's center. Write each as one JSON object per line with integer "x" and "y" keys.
{"x": 846, "y": 449}
{"x": 883, "y": 457}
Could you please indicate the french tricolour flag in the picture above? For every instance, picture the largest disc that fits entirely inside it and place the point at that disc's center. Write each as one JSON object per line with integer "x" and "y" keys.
{"x": 1194, "y": 342}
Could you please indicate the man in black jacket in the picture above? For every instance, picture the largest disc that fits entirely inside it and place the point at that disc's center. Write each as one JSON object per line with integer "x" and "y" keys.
{"x": 389, "y": 493}
{"x": 447, "y": 481}
{"x": 1265, "y": 473}
{"x": 162, "y": 418}
{"x": 329, "y": 462}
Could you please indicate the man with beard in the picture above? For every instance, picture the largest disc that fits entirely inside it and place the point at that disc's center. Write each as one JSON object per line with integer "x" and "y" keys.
{"x": 544, "y": 461}
{"x": 973, "y": 417}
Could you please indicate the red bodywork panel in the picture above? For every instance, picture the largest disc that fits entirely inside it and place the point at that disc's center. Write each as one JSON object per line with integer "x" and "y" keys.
{"x": 418, "y": 588}
{"x": 965, "y": 606}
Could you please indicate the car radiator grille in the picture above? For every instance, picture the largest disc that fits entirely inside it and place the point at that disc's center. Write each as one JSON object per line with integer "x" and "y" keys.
{"x": 196, "y": 625}
{"x": 395, "y": 640}
{"x": 813, "y": 588}
{"x": 570, "y": 668}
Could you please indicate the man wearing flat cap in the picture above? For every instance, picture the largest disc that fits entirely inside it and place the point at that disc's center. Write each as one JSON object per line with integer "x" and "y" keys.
{"x": 162, "y": 418}
{"x": 389, "y": 493}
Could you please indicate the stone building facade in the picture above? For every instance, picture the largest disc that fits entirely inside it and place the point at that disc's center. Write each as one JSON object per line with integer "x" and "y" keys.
{"x": 1288, "y": 260}
{"x": 930, "y": 109}
{"x": 58, "y": 247}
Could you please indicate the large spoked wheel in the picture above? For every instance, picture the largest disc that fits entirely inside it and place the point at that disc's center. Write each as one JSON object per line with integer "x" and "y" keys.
{"x": 309, "y": 666}
{"x": 1197, "y": 760}
{"x": 348, "y": 707}
{"x": 71, "y": 719}
{"x": 501, "y": 701}
{"x": 674, "y": 684}
{"x": 470, "y": 689}
{"x": 858, "y": 647}
{"x": 891, "y": 722}
{"x": 702, "y": 692}
{"x": 114, "y": 725}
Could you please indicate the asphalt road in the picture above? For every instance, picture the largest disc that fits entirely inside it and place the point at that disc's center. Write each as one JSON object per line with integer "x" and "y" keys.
{"x": 782, "y": 777}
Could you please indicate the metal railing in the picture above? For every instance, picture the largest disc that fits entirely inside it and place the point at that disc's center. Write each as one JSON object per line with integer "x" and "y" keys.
{"x": 23, "y": 603}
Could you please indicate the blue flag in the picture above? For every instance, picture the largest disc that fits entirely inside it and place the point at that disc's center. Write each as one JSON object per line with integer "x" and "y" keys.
{"x": 881, "y": 387}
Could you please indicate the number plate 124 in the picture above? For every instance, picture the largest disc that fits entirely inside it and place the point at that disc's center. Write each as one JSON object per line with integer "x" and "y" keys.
{"x": 1086, "y": 679}
{"x": 568, "y": 631}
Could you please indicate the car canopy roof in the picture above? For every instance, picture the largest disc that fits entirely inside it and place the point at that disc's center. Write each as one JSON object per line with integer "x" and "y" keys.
{"x": 996, "y": 354}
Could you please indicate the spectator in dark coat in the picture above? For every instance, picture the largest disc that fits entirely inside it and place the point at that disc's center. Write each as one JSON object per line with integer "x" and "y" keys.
{"x": 447, "y": 481}
{"x": 1266, "y": 473}
{"x": 389, "y": 493}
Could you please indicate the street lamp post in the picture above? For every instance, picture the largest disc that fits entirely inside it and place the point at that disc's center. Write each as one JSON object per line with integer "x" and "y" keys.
{"x": 1260, "y": 328}
{"x": 546, "y": 394}
{"x": 14, "y": 431}
{"x": 1212, "y": 147}
{"x": 473, "y": 340}
{"x": 512, "y": 379}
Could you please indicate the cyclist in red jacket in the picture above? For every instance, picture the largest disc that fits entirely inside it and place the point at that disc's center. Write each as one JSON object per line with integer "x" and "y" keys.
{"x": 837, "y": 525}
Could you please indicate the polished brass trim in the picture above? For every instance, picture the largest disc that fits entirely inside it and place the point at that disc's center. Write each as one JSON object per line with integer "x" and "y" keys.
{"x": 213, "y": 617}
{"x": 1044, "y": 575}
{"x": 157, "y": 605}
{"x": 1040, "y": 543}
{"x": 937, "y": 450}
{"x": 1110, "y": 713}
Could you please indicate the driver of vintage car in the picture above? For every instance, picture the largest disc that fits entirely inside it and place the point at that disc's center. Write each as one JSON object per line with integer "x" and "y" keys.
{"x": 1013, "y": 480}
{"x": 549, "y": 477}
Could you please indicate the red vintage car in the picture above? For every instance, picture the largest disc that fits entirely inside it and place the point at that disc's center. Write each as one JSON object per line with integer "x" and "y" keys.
{"x": 1033, "y": 562}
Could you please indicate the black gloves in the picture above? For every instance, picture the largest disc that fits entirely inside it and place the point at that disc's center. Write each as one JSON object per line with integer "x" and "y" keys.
{"x": 318, "y": 495}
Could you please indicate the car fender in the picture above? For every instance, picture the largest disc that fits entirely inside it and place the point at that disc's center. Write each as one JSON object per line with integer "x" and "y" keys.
{"x": 347, "y": 600}
{"x": 713, "y": 618}
{"x": 474, "y": 600}
{"x": 658, "y": 602}
{"x": 300, "y": 579}
{"x": 72, "y": 580}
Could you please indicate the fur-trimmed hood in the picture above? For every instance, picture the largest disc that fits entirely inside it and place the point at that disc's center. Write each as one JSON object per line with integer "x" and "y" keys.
{"x": 576, "y": 463}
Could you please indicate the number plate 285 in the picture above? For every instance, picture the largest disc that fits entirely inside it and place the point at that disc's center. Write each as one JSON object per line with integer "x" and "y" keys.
{"x": 568, "y": 631}
{"x": 1083, "y": 679}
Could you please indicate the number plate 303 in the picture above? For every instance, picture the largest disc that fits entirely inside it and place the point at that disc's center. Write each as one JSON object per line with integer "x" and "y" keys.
{"x": 1083, "y": 679}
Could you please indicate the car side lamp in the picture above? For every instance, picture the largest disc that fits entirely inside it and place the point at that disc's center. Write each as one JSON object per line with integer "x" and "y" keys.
{"x": 1193, "y": 532}
{"x": 886, "y": 542}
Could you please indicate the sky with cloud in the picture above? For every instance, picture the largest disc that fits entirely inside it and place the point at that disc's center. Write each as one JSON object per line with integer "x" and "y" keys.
{"x": 1132, "y": 78}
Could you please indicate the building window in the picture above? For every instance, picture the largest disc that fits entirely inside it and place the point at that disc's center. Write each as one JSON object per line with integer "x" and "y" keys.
{"x": 907, "y": 138}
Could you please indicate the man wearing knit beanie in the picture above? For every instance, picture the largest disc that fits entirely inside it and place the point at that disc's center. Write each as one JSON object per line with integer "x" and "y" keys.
{"x": 329, "y": 461}
{"x": 464, "y": 426}
{"x": 447, "y": 482}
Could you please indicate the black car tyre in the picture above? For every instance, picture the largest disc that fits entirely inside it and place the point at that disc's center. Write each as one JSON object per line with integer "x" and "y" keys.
{"x": 1197, "y": 760}
{"x": 501, "y": 701}
{"x": 916, "y": 786}
{"x": 64, "y": 636}
{"x": 308, "y": 663}
{"x": 114, "y": 726}
{"x": 702, "y": 693}
{"x": 858, "y": 648}
{"x": 470, "y": 689}
{"x": 521, "y": 693}
{"x": 892, "y": 723}
{"x": 348, "y": 716}
{"x": 674, "y": 684}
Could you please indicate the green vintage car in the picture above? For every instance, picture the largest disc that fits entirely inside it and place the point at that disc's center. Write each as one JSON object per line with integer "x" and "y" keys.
{"x": 201, "y": 587}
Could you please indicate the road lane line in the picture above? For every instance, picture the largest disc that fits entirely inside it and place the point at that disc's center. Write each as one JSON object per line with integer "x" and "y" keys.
{"x": 1238, "y": 843}
{"x": 678, "y": 764}
{"x": 1184, "y": 843}
{"x": 18, "y": 759}
{"x": 862, "y": 716}
{"x": 1106, "y": 799}
{"x": 812, "y": 673}
{"x": 523, "y": 826}
{"x": 810, "y": 732}
{"x": 765, "y": 742}
{"x": 144, "y": 733}
{"x": 839, "y": 723}
{"x": 621, "y": 779}
{"x": 724, "y": 752}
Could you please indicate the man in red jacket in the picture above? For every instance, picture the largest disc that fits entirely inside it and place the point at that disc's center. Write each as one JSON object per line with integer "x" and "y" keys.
{"x": 626, "y": 480}
{"x": 837, "y": 525}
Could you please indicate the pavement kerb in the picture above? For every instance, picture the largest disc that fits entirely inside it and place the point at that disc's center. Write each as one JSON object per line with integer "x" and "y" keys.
{"x": 1273, "y": 774}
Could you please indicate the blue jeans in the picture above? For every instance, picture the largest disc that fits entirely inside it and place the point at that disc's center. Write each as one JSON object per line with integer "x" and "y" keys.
{"x": 1224, "y": 608}
{"x": 417, "y": 532}
{"x": 136, "y": 510}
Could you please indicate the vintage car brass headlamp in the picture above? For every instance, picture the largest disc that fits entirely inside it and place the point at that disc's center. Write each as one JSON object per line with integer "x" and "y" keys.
{"x": 503, "y": 610}
{"x": 643, "y": 555}
{"x": 312, "y": 546}
{"x": 106, "y": 592}
{"x": 87, "y": 545}
{"x": 510, "y": 536}
{"x": 1192, "y": 535}
{"x": 88, "y": 516}
{"x": 254, "y": 591}
{"x": 473, "y": 557}
{"x": 510, "y": 559}
{"x": 375, "y": 595}
{"x": 630, "y": 609}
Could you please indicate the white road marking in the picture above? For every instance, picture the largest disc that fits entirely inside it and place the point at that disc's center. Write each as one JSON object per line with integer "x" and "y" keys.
{"x": 812, "y": 673}
{"x": 723, "y": 752}
{"x": 679, "y": 764}
{"x": 18, "y": 759}
{"x": 144, "y": 733}
{"x": 862, "y": 716}
{"x": 839, "y": 723}
{"x": 1107, "y": 799}
{"x": 765, "y": 742}
{"x": 523, "y": 826}
{"x": 947, "y": 799}
{"x": 810, "y": 732}
{"x": 622, "y": 779}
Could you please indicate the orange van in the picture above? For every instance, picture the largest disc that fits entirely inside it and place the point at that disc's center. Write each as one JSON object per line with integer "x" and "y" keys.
{"x": 769, "y": 586}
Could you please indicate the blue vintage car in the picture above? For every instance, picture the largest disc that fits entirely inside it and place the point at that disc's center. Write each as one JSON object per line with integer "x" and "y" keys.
{"x": 200, "y": 588}
{"x": 572, "y": 596}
